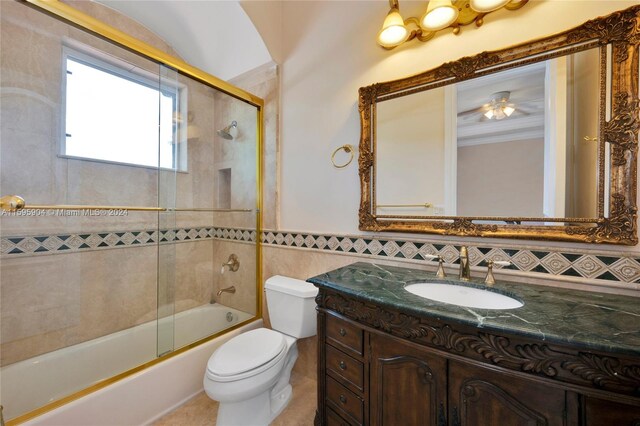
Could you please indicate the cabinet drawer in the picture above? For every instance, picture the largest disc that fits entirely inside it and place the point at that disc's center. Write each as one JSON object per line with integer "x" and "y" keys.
{"x": 599, "y": 412}
{"x": 335, "y": 420}
{"x": 345, "y": 334}
{"x": 344, "y": 401}
{"x": 342, "y": 365}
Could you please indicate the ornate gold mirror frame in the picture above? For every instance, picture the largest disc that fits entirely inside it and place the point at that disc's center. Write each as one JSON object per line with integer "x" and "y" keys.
{"x": 620, "y": 31}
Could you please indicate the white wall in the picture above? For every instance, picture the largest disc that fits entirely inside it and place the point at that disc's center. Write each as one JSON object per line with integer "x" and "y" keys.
{"x": 216, "y": 36}
{"x": 330, "y": 51}
{"x": 266, "y": 16}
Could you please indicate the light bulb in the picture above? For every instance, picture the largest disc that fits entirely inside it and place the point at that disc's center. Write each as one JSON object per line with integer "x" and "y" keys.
{"x": 440, "y": 14}
{"x": 485, "y": 6}
{"x": 393, "y": 30}
{"x": 508, "y": 110}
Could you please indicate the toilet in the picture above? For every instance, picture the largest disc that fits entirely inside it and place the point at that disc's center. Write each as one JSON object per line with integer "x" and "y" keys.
{"x": 249, "y": 374}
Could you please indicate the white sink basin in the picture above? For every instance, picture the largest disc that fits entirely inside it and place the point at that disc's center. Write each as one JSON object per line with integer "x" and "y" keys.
{"x": 463, "y": 296}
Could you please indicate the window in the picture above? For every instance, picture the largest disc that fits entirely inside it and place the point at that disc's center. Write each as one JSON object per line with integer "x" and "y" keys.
{"x": 116, "y": 112}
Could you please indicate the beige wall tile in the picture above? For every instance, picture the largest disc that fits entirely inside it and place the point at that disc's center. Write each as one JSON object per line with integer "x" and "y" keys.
{"x": 194, "y": 270}
{"x": 50, "y": 302}
{"x": 264, "y": 82}
{"x": 39, "y": 296}
{"x": 244, "y": 280}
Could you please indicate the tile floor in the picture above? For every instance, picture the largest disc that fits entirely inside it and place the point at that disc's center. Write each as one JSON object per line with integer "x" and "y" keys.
{"x": 201, "y": 411}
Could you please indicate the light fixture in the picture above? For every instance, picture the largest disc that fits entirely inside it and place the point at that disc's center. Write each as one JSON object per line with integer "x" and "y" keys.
{"x": 440, "y": 14}
{"x": 393, "y": 31}
{"x": 499, "y": 107}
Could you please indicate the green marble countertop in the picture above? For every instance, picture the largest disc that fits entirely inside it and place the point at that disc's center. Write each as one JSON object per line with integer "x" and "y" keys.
{"x": 596, "y": 321}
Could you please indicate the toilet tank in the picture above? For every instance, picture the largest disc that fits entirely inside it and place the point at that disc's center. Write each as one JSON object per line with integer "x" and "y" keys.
{"x": 292, "y": 306}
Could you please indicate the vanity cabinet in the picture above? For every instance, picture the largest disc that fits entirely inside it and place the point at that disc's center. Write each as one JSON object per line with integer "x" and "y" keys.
{"x": 479, "y": 396}
{"x": 344, "y": 372}
{"x": 378, "y": 366}
{"x": 407, "y": 383}
{"x": 600, "y": 412}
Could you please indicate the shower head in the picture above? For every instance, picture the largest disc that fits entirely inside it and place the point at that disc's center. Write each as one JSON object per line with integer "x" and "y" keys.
{"x": 226, "y": 132}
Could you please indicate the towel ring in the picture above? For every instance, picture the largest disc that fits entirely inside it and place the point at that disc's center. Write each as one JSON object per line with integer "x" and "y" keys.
{"x": 349, "y": 150}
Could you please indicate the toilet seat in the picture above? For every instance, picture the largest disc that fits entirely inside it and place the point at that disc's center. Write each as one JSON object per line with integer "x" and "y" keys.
{"x": 247, "y": 355}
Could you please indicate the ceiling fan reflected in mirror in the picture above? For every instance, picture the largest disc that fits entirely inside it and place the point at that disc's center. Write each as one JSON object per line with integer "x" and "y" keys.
{"x": 499, "y": 107}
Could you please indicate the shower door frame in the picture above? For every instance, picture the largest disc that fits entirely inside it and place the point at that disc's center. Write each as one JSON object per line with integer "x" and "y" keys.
{"x": 79, "y": 19}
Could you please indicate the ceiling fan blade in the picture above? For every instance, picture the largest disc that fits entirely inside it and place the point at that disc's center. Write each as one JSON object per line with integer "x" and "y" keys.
{"x": 532, "y": 101}
{"x": 524, "y": 111}
{"x": 472, "y": 111}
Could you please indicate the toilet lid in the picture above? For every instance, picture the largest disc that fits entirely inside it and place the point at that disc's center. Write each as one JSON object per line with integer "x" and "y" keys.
{"x": 246, "y": 352}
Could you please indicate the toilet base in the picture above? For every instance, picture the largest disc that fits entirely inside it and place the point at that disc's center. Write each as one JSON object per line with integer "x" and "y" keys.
{"x": 258, "y": 411}
{"x": 280, "y": 401}
{"x": 251, "y": 412}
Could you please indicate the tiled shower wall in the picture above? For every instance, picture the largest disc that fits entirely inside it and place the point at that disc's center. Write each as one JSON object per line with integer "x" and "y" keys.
{"x": 68, "y": 279}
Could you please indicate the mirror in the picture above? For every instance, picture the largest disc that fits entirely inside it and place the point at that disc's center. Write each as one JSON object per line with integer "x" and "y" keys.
{"x": 513, "y": 143}
{"x": 518, "y": 143}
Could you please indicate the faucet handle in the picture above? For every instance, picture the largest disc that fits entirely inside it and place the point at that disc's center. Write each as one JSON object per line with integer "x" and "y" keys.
{"x": 440, "y": 272}
{"x": 490, "y": 279}
{"x": 233, "y": 263}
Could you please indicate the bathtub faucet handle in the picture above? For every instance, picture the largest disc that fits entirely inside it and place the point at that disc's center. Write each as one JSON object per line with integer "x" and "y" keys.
{"x": 233, "y": 264}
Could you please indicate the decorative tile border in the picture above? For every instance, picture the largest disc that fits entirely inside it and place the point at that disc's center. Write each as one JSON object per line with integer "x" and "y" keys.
{"x": 625, "y": 269}
{"x": 599, "y": 266}
{"x": 68, "y": 243}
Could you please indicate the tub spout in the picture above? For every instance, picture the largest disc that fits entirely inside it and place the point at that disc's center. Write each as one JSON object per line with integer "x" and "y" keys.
{"x": 231, "y": 290}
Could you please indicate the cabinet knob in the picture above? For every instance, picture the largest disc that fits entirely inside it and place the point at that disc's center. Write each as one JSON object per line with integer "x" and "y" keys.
{"x": 343, "y": 366}
{"x": 343, "y": 332}
{"x": 343, "y": 399}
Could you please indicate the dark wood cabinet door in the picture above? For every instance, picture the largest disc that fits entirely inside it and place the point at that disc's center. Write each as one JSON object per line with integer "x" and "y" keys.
{"x": 407, "y": 384}
{"x": 484, "y": 397}
{"x": 598, "y": 412}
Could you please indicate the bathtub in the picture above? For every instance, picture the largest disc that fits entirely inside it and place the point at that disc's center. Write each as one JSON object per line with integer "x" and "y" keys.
{"x": 29, "y": 384}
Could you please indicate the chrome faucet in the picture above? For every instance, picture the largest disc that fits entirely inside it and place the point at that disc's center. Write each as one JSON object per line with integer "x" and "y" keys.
{"x": 231, "y": 290}
{"x": 465, "y": 270}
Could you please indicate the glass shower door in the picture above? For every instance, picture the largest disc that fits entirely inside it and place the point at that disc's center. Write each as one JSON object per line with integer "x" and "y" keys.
{"x": 79, "y": 127}
{"x": 173, "y": 98}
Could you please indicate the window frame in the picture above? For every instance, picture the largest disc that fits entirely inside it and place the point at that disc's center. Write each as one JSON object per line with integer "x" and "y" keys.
{"x": 118, "y": 67}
